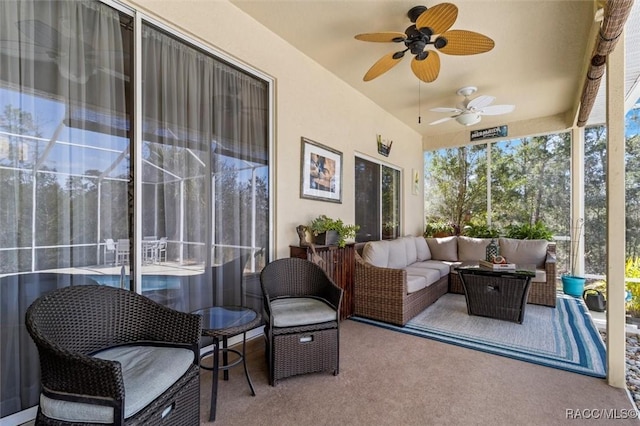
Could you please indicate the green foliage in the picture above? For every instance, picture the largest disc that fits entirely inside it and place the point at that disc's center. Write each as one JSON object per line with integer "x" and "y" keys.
{"x": 323, "y": 224}
{"x": 526, "y": 231}
{"x": 632, "y": 270}
{"x": 481, "y": 230}
{"x": 438, "y": 227}
{"x": 455, "y": 183}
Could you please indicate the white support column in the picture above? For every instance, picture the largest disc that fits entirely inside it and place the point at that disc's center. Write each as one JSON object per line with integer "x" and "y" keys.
{"x": 577, "y": 200}
{"x": 615, "y": 218}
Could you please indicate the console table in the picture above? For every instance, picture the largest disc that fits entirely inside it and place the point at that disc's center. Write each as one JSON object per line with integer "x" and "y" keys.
{"x": 338, "y": 263}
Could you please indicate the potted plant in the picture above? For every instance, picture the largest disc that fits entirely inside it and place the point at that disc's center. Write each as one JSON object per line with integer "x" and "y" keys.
{"x": 572, "y": 284}
{"x": 328, "y": 231}
{"x": 389, "y": 229}
{"x": 439, "y": 228}
{"x": 527, "y": 231}
{"x": 480, "y": 230}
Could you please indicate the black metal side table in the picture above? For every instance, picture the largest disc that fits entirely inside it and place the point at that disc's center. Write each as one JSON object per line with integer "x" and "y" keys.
{"x": 220, "y": 323}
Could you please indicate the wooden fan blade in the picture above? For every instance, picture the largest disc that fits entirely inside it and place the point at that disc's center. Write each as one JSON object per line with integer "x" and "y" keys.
{"x": 383, "y": 65}
{"x": 427, "y": 70}
{"x": 496, "y": 109}
{"x": 480, "y": 102}
{"x": 442, "y": 120}
{"x": 439, "y": 18}
{"x": 385, "y": 37}
{"x": 462, "y": 42}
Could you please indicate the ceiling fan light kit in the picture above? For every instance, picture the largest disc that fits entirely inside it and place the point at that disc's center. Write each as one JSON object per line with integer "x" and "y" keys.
{"x": 431, "y": 28}
{"x": 468, "y": 119}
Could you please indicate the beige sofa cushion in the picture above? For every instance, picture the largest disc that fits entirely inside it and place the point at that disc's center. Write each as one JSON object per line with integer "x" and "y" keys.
{"x": 422, "y": 249}
{"x": 431, "y": 274}
{"x": 443, "y": 248}
{"x": 472, "y": 248}
{"x": 410, "y": 249}
{"x": 415, "y": 283}
{"x": 376, "y": 253}
{"x": 397, "y": 253}
{"x": 524, "y": 251}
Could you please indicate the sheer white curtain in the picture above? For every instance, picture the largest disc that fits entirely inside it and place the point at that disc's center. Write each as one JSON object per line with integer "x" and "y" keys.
{"x": 61, "y": 65}
{"x": 205, "y": 132}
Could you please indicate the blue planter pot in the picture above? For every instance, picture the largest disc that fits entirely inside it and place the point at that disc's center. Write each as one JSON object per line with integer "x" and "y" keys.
{"x": 573, "y": 286}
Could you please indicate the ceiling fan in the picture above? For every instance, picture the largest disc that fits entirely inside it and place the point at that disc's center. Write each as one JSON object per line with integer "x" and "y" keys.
{"x": 469, "y": 112}
{"x": 431, "y": 27}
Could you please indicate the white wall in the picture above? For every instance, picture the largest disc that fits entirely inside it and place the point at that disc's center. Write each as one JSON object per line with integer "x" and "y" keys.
{"x": 309, "y": 102}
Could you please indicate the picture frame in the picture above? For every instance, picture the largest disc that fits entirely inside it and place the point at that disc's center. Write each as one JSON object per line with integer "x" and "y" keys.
{"x": 320, "y": 172}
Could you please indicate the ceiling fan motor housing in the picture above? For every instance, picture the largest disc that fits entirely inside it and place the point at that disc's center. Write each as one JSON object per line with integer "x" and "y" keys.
{"x": 415, "y": 11}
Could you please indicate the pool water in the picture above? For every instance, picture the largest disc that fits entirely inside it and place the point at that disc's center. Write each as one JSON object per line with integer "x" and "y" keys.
{"x": 149, "y": 282}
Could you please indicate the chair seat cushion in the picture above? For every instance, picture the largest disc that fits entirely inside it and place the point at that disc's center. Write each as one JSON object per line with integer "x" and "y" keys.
{"x": 297, "y": 311}
{"x": 147, "y": 372}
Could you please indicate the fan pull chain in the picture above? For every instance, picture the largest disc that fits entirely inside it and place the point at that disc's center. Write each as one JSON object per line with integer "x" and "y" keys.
{"x": 419, "y": 118}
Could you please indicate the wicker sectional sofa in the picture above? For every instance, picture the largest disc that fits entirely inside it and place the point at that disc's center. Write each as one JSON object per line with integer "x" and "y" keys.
{"x": 396, "y": 279}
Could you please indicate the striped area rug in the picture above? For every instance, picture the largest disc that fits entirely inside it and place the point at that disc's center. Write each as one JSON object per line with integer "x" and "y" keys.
{"x": 563, "y": 338}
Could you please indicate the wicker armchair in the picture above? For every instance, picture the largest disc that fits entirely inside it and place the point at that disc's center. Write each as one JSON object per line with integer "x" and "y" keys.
{"x": 301, "y": 306}
{"x": 84, "y": 335}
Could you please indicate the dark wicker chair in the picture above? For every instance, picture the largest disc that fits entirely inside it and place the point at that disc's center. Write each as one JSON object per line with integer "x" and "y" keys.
{"x": 70, "y": 325}
{"x": 302, "y": 308}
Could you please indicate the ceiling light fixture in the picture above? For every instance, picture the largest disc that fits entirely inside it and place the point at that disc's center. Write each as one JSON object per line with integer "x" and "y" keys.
{"x": 468, "y": 119}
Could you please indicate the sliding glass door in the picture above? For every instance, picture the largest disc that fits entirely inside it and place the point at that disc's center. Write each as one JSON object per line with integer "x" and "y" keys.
{"x": 172, "y": 203}
{"x": 377, "y": 200}
{"x": 65, "y": 116}
{"x": 204, "y": 176}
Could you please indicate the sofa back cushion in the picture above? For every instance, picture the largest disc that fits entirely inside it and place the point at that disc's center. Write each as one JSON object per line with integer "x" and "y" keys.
{"x": 397, "y": 253}
{"x": 472, "y": 248}
{"x": 376, "y": 253}
{"x": 444, "y": 248}
{"x": 410, "y": 249}
{"x": 422, "y": 249}
{"x": 524, "y": 251}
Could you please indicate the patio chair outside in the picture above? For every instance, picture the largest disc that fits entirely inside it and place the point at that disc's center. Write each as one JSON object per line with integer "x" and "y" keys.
{"x": 161, "y": 250}
{"x": 122, "y": 251}
{"x": 109, "y": 247}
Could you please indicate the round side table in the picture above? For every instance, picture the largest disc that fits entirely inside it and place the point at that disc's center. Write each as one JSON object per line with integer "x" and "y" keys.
{"x": 220, "y": 323}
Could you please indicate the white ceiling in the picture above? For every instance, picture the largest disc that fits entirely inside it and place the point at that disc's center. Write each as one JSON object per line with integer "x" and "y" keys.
{"x": 538, "y": 63}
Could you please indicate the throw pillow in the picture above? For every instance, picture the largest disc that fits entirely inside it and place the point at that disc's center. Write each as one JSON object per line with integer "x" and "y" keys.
{"x": 472, "y": 248}
{"x": 524, "y": 252}
{"x": 444, "y": 248}
{"x": 422, "y": 249}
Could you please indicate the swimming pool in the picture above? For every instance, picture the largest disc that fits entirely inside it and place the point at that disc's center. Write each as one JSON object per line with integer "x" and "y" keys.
{"x": 149, "y": 282}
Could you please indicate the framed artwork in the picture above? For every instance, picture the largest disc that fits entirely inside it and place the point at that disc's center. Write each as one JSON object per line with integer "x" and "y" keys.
{"x": 320, "y": 172}
{"x": 415, "y": 181}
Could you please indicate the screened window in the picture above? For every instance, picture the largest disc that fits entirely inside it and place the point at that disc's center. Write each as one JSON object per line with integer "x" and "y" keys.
{"x": 520, "y": 181}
